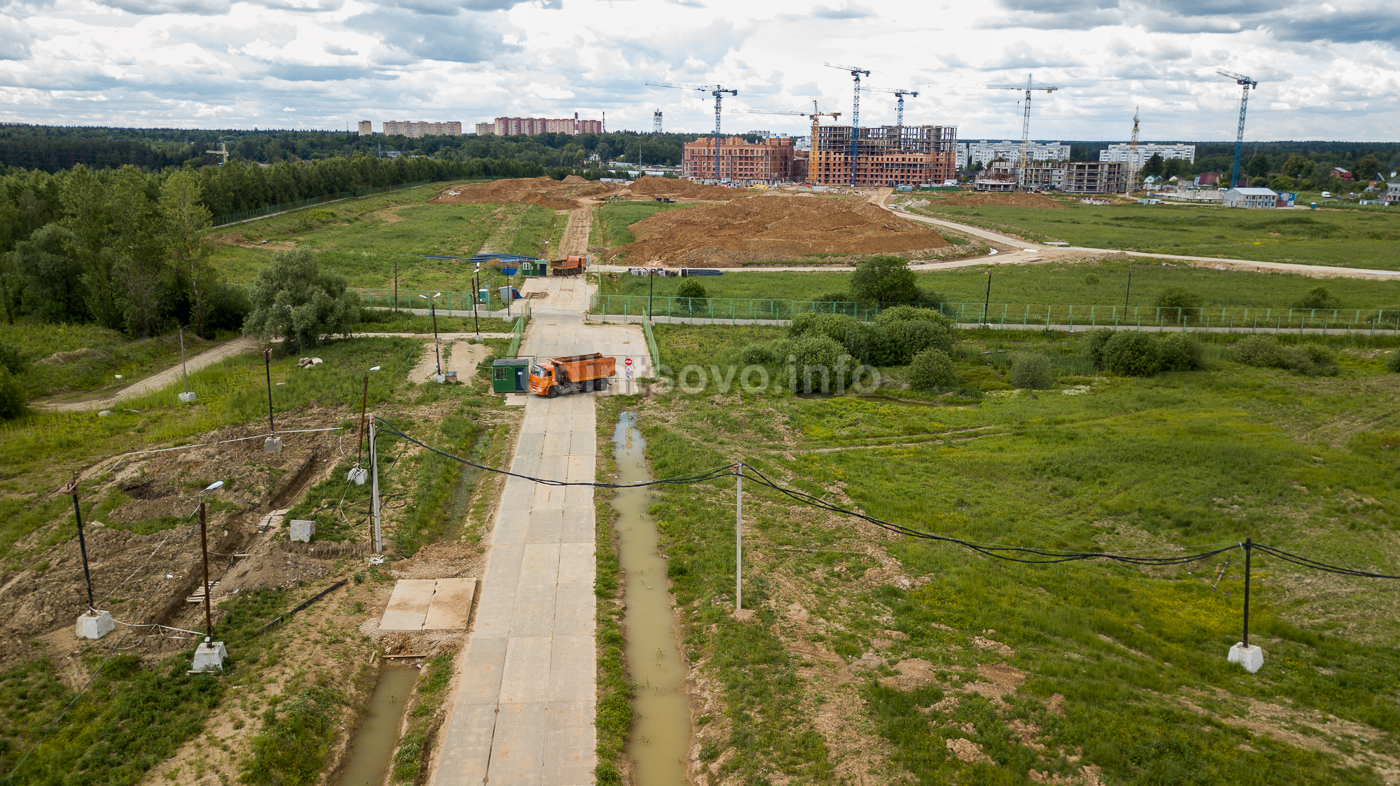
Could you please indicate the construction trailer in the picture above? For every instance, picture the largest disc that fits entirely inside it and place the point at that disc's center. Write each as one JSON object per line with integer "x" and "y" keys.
{"x": 886, "y": 156}
{"x": 739, "y": 161}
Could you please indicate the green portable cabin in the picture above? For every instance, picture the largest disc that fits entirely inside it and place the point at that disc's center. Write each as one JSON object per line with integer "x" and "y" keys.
{"x": 510, "y": 375}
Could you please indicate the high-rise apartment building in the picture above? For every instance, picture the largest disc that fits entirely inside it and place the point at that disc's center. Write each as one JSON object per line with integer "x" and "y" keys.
{"x": 738, "y": 160}
{"x": 885, "y": 155}
{"x": 410, "y": 128}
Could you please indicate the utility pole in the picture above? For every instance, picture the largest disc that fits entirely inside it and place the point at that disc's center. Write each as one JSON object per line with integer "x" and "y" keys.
{"x": 82, "y": 544}
{"x": 738, "y": 537}
{"x": 374, "y": 485}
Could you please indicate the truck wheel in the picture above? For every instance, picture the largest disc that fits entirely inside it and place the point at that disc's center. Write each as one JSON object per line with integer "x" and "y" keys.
{"x": 554, "y": 391}
{"x": 602, "y": 384}
{"x": 588, "y": 386}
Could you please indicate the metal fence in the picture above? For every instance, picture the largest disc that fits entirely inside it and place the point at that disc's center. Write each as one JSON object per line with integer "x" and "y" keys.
{"x": 446, "y": 300}
{"x": 260, "y": 212}
{"x": 1028, "y": 315}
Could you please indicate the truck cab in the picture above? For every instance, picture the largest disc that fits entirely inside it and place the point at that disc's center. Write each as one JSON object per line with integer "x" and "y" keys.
{"x": 542, "y": 378}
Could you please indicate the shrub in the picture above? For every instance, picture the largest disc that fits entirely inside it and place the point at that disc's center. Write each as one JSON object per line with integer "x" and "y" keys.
{"x": 1132, "y": 354}
{"x": 1261, "y": 351}
{"x": 931, "y": 369}
{"x": 884, "y": 279}
{"x": 12, "y": 399}
{"x": 1317, "y": 297}
{"x": 819, "y": 364}
{"x": 1392, "y": 362}
{"x": 1178, "y": 304}
{"x": 1180, "y": 352}
{"x": 1312, "y": 360}
{"x": 833, "y": 326}
{"x": 1094, "y": 349}
{"x": 759, "y": 355}
{"x": 1032, "y": 371}
{"x": 908, "y": 338}
{"x": 11, "y": 359}
{"x": 906, "y": 313}
{"x": 833, "y": 297}
{"x": 691, "y": 288}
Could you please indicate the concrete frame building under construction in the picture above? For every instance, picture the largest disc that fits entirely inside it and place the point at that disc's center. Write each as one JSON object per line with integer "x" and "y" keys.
{"x": 885, "y": 156}
{"x": 739, "y": 161}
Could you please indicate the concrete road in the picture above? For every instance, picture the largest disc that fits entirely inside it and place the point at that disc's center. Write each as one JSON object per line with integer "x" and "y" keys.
{"x": 524, "y": 706}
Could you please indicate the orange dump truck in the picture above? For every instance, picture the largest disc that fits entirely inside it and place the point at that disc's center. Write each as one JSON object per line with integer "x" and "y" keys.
{"x": 571, "y": 374}
{"x": 568, "y": 266}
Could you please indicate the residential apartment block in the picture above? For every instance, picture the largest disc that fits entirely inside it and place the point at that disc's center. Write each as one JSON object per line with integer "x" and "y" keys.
{"x": 985, "y": 152}
{"x": 513, "y": 126}
{"x": 739, "y": 161}
{"x": 410, "y": 128}
{"x": 1095, "y": 177}
{"x": 1123, "y": 152}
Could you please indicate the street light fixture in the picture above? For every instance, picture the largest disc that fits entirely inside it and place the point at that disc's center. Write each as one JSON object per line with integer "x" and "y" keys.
{"x": 357, "y": 474}
{"x": 209, "y": 656}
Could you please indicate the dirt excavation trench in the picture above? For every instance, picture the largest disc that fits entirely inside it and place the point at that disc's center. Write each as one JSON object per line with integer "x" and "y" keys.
{"x": 661, "y": 707}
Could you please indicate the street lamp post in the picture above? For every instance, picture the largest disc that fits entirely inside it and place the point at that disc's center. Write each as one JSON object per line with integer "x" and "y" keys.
{"x": 432, "y": 307}
{"x": 476, "y": 291}
{"x": 210, "y": 655}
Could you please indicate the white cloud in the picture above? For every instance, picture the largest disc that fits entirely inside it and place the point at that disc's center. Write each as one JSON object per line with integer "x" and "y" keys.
{"x": 1325, "y": 70}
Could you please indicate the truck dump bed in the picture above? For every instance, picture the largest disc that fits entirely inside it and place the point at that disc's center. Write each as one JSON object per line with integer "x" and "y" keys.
{"x": 580, "y": 368}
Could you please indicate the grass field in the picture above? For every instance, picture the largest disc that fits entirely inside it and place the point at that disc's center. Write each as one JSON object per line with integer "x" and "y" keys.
{"x": 895, "y": 654}
{"x": 1341, "y": 238}
{"x": 1103, "y": 283}
{"x": 611, "y": 221}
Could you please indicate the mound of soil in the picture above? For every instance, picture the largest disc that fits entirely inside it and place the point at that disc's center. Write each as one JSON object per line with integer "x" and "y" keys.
{"x": 1001, "y": 200}
{"x": 543, "y": 191}
{"x": 648, "y": 187}
{"x": 765, "y": 228}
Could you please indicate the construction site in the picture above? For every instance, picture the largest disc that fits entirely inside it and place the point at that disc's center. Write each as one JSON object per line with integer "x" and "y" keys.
{"x": 884, "y": 156}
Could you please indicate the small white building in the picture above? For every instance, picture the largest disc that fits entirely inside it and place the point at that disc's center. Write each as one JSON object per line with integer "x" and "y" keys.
{"x": 1257, "y": 198}
{"x": 1392, "y": 193}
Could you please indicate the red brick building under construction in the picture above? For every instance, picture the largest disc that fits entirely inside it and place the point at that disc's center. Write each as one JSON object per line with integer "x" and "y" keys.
{"x": 739, "y": 161}
{"x": 885, "y": 156}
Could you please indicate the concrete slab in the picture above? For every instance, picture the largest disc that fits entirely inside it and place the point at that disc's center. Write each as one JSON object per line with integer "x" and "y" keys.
{"x": 576, "y": 563}
{"x": 464, "y": 762}
{"x": 575, "y": 610}
{"x": 526, "y": 675}
{"x": 569, "y": 745}
{"x": 534, "y": 613}
{"x": 480, "y": 667}
{"x": 572, "y": 669}
{"x": 451, "y": 606}
{"x": 408, "y": 605}
{"x": 540, "y": 565}
{"x": 517, "y": 749}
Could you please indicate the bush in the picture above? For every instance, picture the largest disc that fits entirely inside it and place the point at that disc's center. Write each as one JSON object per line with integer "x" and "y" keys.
{"x": 759, "y": 355}
{"x": 1180, "y": 352}
{"x": 907, "y": 313}
{"x": 833, "y": 326}
{"x": 908, "y": 338}
{"x": 833, "y": 297}
{"x": 1317, "y": 297}
{"x": 1031, "y": 371}
{"x": 691, "y": 288}
{"x": 1260, "y": 351}
{"x": 1392, "y": 362}
{"x": 1178, "y": 305}
{"x": 12, "y": 360}
{"x": 821, "y": 353}
{"x": 12, "y": 399}
{"x": 1097, "y": 340}
{"x": 1312, "y": 360}
{"x": 1132, "y": 354}
{"x": 931, "y": 369}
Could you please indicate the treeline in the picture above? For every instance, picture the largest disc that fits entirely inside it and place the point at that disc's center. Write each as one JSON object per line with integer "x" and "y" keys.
{"x": 53, "y": 149}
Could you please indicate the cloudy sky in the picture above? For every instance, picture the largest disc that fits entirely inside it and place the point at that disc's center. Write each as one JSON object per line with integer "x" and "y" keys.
{"x": 1325, "y": 70}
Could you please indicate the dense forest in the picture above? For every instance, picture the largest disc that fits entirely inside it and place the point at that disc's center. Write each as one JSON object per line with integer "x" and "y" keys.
{"x": 53, "y": 149}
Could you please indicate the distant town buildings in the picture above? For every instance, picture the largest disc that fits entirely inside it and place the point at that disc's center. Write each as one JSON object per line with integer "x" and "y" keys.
{"x": 513, "y": 126}
{"x": 985, "y": 152}
{"x": 1123, "y": 152}
{"x": 411, "y": 128}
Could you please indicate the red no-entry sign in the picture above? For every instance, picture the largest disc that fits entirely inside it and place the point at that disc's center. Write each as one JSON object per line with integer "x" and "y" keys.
{"x": 627, "y": 362}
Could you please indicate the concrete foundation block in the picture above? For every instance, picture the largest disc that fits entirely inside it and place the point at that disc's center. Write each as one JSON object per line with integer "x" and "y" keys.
{"x": 358, "y": 476}
{"x": 95, "y": 625}
{"x": 1250, "y": 657}
{"x": 301, "y": 530}
{"x": 439, "y": 378}
{"x": 272, "y": 445}
{"x": 187, "y": 398}
{"x": 210, "y": 656}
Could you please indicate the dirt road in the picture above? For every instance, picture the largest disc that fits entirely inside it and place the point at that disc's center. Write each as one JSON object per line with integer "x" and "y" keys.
{"x": 575, "y": 240}
{"x": 154, "y": 382}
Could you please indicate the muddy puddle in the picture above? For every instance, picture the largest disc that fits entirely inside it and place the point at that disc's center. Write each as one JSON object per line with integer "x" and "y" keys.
{"x": 369, "y": 760}
{"x": 661, "y": 713}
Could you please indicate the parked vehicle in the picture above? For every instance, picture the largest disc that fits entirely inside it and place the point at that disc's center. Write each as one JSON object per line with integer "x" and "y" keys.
{"x": 572, "y": 374}
{"x": 568, "y": 266}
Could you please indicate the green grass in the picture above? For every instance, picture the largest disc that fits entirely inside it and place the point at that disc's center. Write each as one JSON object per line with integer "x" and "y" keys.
{"x": 429, "y": 694}
{"x": 615, "y": 690}
{"x": 1343, "y": 238}
{"x": 612, "y": 221}
{"x": 108, "y": 353}
{"x": 534, "y": 227}
{"x": 1102, "y": 283}
{"x": 1178, "y": 461}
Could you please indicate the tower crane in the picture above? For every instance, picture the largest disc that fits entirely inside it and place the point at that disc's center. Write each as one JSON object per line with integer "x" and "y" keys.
{"x": 718, "y": 92}
{"x": 898, "y": 93}
{"x": 1245, "y": 83}
{"x": 1030, "y": 86}
{"x": 1132, "y": 157}
{"x": 855, "y": 112}
{"x": 815, "y": 114}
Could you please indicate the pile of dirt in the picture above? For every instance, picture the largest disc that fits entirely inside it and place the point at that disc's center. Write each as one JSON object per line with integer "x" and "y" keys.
{"x": 766, "y": 228}
{"x": 543, "y": 191}
{"x": 1001, "y": 200}
{"x": 649, "y": 187}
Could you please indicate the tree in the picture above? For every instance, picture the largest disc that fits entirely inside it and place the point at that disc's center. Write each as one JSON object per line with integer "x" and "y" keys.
{"x": 1153, "y": 166}
{"x": 1366, "y": 168}
{"x": 294, "y": 300}
{"x": 1297, "y": 165}
{"x": 53, "y": 278}
{"x": 186, "y": 220}
{"x": 884, "y": 279}
{"x": 1281, "y": 183}
{"x": 1258, "y": 166}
